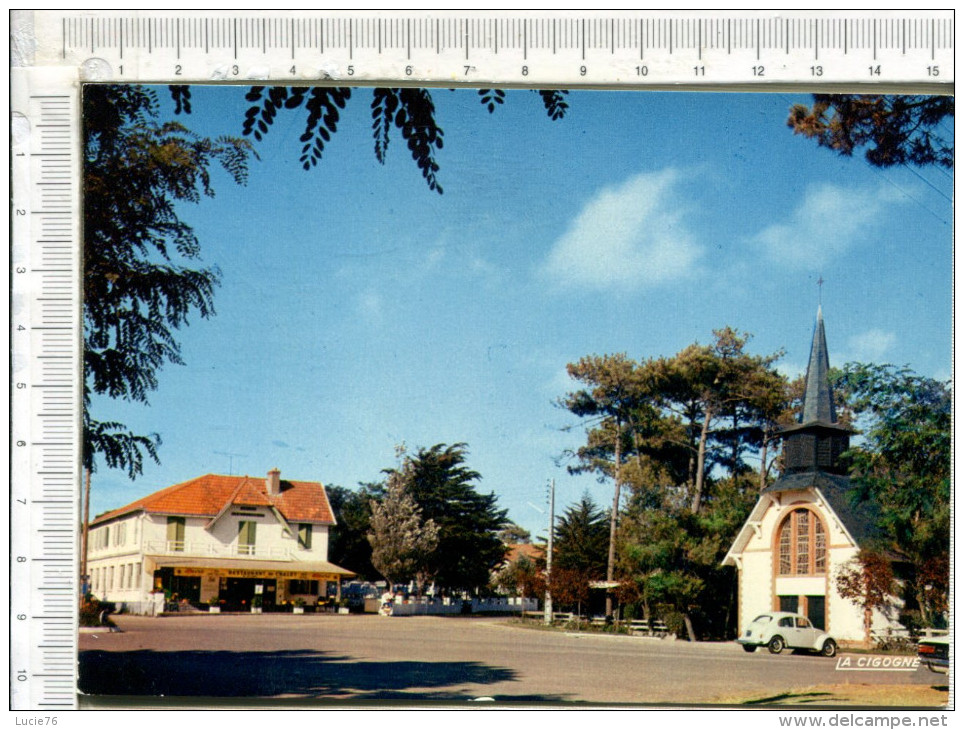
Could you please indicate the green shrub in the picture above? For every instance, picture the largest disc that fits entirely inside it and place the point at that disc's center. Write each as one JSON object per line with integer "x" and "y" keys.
{"x": 675, "y": 623}
{"x": 92, "y": 613}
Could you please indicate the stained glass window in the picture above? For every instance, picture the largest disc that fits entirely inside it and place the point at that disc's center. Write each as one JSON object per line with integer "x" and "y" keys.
{"x": 802, "y": 544}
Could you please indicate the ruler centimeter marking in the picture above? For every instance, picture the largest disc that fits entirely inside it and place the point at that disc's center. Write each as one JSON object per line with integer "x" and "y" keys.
{"x": 639, "y": 49}
{"x": 45, "y": 400}
{"x": 580, "y": 48}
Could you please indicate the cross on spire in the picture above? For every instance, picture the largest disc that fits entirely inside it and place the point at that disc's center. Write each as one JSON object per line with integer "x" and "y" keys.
{"x": 820, "y": 291}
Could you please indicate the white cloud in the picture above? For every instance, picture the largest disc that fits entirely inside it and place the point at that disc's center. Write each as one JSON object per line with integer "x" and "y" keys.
{"x": 626, "y": 237}
{"x": 870, "y": 346}
{"x": 828, "y": 221}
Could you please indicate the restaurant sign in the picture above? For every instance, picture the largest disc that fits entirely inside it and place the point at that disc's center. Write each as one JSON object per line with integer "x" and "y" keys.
{"x": 239, "y": 573}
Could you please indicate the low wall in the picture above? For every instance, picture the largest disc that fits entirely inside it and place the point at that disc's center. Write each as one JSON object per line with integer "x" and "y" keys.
{"x": 449, "y": 607}
{"x": 504, "y": 605}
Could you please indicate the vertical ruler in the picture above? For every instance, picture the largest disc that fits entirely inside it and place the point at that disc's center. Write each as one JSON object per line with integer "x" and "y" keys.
{"x": 45, "y": 390}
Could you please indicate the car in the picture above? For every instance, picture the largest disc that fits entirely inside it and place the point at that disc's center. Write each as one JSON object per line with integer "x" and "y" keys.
{"x": 934, "y": 653}
{"x": 779, "y": 630}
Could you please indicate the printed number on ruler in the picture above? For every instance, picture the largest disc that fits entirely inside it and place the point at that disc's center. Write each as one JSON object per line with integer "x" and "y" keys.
{"x": 623, "y": 48}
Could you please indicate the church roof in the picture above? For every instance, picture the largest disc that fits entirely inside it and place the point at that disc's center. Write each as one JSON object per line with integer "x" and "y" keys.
{"x": 818, "y": 398}
{"x": 818, "y": 408}
{"x": 860, "y": 519}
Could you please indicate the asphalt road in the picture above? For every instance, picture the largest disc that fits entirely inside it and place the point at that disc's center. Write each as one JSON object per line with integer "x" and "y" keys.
{"x": 426, "y": 659}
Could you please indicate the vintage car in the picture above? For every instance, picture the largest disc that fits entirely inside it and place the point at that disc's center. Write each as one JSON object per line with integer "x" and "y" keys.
{"x": 934, "y": 653}
{"x": 778, "y": 630}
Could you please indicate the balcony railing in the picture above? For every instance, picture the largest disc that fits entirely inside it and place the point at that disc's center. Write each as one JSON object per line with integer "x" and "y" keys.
{"x": 216, "y": 550}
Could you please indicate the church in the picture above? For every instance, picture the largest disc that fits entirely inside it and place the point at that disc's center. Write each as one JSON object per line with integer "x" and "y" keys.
{"x": 803, "y": 528}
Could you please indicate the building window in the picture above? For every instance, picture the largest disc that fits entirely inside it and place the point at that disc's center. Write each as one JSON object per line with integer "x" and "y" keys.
{"x": 304, "y": 536}
{"x": 802, "y": 544}
{"x": 120, "y": 534}
{"x": 247, "y": 531}
{"x": 175, "y": 534}
{"x": 303, "y": 587}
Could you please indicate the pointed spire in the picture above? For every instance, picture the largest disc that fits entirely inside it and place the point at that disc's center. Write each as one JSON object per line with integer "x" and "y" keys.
{"x": 818, "y": 396}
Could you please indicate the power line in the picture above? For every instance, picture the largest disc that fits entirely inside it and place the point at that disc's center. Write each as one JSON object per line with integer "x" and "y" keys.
{"x": 936, "y": 215}
{"x": 929, "y": 184}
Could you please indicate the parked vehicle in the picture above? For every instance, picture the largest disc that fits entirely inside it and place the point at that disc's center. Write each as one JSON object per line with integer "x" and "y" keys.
{"x": 934, "y": 653}
{"x": 778, "y": 630}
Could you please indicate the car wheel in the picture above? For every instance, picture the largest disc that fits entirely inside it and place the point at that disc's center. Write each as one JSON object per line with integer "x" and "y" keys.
{"x": 829, "y": 648}
{"x": 776, "y": 645}
{"x": 749, "y": 648}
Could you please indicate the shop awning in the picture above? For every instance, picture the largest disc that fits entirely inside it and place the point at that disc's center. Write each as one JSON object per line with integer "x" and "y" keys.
{"x": 248, "y": 568}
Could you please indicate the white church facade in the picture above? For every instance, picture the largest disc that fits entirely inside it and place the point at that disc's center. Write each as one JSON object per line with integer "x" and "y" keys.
{"x": 804, "y": 528}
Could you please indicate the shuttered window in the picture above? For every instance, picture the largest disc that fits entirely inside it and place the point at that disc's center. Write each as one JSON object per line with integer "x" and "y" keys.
{"x": 175, "y": 534}
{"x": 304, "y": 536}
{"x": 247, "y": 532}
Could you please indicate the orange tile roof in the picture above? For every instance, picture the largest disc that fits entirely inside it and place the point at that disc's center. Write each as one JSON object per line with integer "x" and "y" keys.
{"x": 208, "y": 495}
{"x": 516, "y": 551}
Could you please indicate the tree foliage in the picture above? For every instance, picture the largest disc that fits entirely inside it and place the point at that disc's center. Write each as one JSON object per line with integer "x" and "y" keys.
{"x": 348, "y": 544}
{"x": 402, "y": 541}
{"x": 141, "y": 278}
{"x": 867, "y": 581}
{"x": 895, "y": 130}
{"x": 569, "y": 588}
{"x": 441, "y": 485}
{"x": 685, "y": 433}
{"x": 521, "y": 577}
{"x": 409, "y": 111}
{"x": 513, "y": 534}
{"x": 903, "y": 465}
{"x": 581, "y": 539}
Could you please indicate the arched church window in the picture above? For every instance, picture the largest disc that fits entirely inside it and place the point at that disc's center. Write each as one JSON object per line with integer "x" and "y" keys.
{"x": 802, "y": 544}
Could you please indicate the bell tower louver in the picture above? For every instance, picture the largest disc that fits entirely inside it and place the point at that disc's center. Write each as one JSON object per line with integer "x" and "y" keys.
{"x": 817, "y": 441}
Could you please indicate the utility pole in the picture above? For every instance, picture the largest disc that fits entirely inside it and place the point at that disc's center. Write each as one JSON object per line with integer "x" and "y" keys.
{"x": 552, "y": 529}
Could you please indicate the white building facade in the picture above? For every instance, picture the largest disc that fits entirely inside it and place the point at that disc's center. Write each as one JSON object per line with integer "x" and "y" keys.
{"x": 233, "y": 542}
{"x": 804, "y": 528}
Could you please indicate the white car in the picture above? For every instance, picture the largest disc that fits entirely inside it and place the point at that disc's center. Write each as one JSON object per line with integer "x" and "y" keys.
{"x": 778, "y": 630}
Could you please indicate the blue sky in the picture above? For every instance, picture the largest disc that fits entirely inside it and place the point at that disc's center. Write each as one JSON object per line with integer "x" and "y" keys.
{"x": 360, "y": 310}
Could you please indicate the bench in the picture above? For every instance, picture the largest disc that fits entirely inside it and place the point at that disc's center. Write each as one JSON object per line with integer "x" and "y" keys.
{"x": 892, "y": 638}
{"x": 639, "y": 626}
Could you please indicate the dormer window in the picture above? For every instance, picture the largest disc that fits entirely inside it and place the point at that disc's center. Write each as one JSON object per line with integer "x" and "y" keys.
{"x": 247, "y": 537}
{"x": 175, "y": 534}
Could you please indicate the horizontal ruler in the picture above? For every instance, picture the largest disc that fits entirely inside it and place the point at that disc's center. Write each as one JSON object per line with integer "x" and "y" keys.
{"x": 526, "y": 48}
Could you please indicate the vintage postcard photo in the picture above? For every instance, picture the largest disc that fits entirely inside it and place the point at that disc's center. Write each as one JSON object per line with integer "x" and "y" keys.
{"x": 531, "y": 397}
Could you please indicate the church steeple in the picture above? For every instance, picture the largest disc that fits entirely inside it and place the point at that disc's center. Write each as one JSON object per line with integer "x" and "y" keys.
{"x": 815, "y": 444}
{"x": 818, "y": 396}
